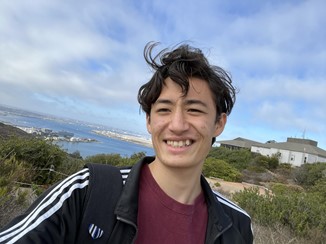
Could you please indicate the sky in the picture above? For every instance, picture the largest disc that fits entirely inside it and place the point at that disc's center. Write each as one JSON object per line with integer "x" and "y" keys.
{"x": 84, "y": 59}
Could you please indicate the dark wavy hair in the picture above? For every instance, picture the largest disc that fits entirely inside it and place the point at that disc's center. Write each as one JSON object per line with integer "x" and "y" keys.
{"x": 181, "y": 64}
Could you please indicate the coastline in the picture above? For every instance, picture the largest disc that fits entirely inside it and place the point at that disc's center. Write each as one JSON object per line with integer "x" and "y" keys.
{"x": 125, "y": 137}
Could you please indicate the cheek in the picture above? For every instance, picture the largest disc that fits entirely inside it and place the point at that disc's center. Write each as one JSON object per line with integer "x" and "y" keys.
{"x": 208, "y": 127}
{"x": 155, "y": 125}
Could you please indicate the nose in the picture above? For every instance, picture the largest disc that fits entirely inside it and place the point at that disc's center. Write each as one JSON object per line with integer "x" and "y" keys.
{"x": 178, "y": 122}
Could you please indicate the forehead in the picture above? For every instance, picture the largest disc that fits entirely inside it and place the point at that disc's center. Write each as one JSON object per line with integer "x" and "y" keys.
{"x": 198, "y": 89}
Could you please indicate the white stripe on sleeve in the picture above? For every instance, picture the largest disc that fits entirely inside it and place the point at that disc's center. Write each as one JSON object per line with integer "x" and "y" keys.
{"x": 47, "y": 201}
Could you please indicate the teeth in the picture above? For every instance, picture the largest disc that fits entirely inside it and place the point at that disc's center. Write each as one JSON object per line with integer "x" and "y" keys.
{"x": 179, "y": 143}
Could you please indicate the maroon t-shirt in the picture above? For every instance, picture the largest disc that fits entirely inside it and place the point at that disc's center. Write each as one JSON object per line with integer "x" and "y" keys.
{"x": 161, "y": 219}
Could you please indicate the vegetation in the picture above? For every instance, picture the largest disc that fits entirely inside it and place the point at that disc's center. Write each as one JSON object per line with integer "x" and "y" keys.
{"x": 295, "y": 205}
{"x": 293, "y": 211}
{"x": 309, "y": 175}
{"x": 38, "y": 155}
{"x": 218, "y": 168}
{"x": 239, "y": 159}
{"x": 115, "y": 159}
{"x": 298, "y": 210}
{"x": 7, "y": 131}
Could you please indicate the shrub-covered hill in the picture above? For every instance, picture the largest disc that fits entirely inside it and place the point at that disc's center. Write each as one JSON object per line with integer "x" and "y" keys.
{"x": 7, "y": 131}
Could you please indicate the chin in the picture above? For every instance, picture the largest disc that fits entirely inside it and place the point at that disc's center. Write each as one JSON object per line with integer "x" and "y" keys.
{"x": 175, "y": 162}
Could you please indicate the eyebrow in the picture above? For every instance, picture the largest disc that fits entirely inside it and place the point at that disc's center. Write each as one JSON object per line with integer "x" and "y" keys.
{"x": 163, "y": 101}
{"x": 194, "y": 101}
{"x": 187, "y": 102}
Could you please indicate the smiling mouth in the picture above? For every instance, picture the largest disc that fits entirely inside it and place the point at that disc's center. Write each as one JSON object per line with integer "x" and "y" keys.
{"x": 178, "y": 144}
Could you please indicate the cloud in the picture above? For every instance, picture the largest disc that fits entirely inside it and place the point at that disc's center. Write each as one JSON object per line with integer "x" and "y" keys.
{"x": 84, "y": 58}
{"x": 71, "y": 50}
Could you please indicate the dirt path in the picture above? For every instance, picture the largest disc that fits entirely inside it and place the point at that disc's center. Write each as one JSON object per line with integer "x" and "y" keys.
{"x": 229, "y": 188}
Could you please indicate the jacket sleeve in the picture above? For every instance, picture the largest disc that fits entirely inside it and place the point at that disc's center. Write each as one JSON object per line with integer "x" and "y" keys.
{"x": 54, "y": 217}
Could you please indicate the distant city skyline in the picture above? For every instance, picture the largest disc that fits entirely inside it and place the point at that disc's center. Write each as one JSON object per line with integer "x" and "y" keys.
{"x": 83, "y": 59}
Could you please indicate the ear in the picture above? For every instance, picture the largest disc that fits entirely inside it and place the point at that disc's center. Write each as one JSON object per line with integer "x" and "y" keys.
{"x": 220, "y": 124}
{"x": 148, "y": 124}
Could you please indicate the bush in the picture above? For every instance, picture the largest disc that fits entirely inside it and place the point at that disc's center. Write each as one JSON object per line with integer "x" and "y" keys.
{"x": 260, "y": 163}
{"x": 13, "y": 200}
{"x": 300, "y": 211}
{"x": 308, "y": 174}
{"x": 36, "y": 153}
{"x": 220, "y": 169}
{"x": 279, "y": 188}
{"x": 115, "y": 159}
{"x": 239, "y": 159}
{"x": 68, "y": 167}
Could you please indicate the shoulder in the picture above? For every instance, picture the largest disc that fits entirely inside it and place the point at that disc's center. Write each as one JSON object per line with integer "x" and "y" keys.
{"x": 55, "y": 202}
{"x": 230, "y": 206}
{"x": 241, "y": 220}
{"x": 63, "y": 190}
{"x": 101, "y": 172}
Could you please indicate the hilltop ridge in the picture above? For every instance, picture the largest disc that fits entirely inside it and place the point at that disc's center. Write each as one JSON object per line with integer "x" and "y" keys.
{"x": 7, "y": 131}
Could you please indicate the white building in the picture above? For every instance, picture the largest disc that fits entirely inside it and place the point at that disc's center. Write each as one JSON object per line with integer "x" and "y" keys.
{"x": 294, "y": 151}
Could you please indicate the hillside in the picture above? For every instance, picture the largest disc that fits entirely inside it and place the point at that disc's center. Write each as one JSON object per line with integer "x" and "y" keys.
{"x": 7, "y": 131}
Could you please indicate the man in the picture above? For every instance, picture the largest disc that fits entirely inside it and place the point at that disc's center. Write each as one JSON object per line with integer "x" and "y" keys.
{"x": 165, "y": 198}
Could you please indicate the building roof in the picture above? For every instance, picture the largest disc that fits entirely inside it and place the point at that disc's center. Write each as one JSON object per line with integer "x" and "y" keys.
{"x": 297, "y": 147}
{"x": 239, "y": 142}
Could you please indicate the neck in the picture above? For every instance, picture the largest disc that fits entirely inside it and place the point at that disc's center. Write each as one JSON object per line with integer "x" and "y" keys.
{"x": 183, "y": 185}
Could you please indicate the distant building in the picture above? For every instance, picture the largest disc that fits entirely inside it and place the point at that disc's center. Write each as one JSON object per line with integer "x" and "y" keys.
{"x": 294, "y": 151}
{"x": 238, "y": 143}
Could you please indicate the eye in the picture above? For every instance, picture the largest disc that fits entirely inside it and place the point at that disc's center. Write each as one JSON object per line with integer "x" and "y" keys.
{"x": 194, "y": 110}
{"x": 162, "y": 110}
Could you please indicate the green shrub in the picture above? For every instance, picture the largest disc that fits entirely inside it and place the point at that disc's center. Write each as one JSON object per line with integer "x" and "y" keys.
{"x": 115, "y": 159}
{"x": 38, "y": 154}
{"x": 239, "y": 159}
{"x": 299, "y": 210}
{"x": 217, "y": 184}
{"x": 220, "y": 169}
{"x": 308, "y": 174}
{"x": 260, "y": 163}
{"x": 282, "y": 189}
{"x": 12, "y": 200}
{"x": 112, "y": 159}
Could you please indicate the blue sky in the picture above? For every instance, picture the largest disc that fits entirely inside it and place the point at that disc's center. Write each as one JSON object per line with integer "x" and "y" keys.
{"x": 83, "y": 59}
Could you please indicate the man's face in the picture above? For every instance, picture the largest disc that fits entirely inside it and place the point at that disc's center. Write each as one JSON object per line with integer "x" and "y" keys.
{"x": 182, "y": 127}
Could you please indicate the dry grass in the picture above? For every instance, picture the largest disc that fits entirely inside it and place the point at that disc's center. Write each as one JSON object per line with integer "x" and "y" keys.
{"x": 278, "y": 235}
{"x": 15, "y": 203}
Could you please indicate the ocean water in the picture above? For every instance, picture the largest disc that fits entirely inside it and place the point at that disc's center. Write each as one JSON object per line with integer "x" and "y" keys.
{"x": 103, "y": 145}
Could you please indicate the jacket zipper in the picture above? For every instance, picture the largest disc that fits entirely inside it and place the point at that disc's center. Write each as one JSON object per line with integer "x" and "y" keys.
{"x": 129, "y": 223}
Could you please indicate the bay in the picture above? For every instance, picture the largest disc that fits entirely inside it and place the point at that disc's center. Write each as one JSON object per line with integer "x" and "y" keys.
{"x": 103, "y": 144}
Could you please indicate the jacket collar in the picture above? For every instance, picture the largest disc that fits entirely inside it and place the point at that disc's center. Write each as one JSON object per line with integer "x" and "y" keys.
{"x": 218, "y": 220}
{"x": 127, "y": 206}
